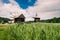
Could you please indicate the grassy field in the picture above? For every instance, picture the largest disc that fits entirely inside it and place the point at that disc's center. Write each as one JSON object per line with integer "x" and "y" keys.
{"x": 30, "y": 31}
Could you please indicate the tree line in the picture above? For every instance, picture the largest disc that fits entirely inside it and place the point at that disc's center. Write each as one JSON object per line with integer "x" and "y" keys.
{"x": 52, "y": 20}
{"x": 4, "y": 20}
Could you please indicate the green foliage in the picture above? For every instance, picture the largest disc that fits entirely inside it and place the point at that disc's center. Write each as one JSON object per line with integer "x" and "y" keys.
{"x": 32, "y": 31}
{"x": 4, "y": 20}
{"x": 53, "y": 20}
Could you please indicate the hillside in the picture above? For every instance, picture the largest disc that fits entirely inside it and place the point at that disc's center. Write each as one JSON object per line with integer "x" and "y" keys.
{"x": 53, "y": 20}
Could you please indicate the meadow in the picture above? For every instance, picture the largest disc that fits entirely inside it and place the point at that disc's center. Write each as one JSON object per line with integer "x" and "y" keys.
{"x": 30, "y": 31}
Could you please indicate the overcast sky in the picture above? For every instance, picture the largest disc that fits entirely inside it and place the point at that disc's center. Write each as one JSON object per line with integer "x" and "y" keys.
{"x": 45, "y": 9}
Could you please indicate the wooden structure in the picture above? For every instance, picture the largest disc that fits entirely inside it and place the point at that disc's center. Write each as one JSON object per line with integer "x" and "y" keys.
{"x": 19, "y": 19}
{"x": 36, "y": 18}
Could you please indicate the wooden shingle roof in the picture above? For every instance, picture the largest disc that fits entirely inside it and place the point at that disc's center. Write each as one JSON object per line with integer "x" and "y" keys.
{"x": 36, "y": 16}
{"x": 21, "y": 16}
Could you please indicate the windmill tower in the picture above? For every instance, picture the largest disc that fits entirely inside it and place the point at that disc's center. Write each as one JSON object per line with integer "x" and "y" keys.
{"x": 36, "y": 18}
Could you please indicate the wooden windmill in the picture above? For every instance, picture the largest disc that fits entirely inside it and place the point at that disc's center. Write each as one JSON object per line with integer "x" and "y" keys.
{"x": 18, "y": 18}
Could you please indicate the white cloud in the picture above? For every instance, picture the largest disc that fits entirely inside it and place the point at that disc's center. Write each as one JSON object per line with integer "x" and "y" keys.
{"x": 44, "y": 8}
{"x": 8, "y": 9}
{"x": 12, "y": 10}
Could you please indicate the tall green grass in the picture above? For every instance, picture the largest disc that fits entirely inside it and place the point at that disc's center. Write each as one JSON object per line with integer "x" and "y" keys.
{"x": 33, "y": 31}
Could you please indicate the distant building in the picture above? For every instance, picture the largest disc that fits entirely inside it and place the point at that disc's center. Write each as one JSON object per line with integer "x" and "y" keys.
{"x": 36, "y": 18}
{"x": 19, "y": 19}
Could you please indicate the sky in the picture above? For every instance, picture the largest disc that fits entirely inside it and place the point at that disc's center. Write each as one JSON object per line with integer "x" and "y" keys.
{"x": 45, "y": 9}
